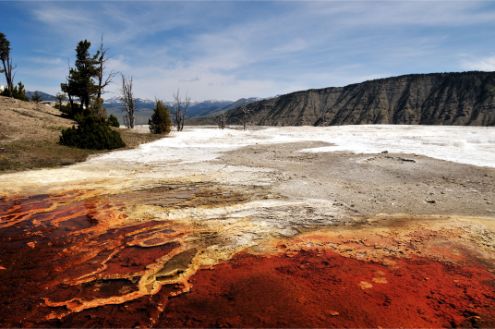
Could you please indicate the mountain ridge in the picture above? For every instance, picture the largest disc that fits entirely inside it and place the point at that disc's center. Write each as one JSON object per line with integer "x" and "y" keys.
{"x": 144, "y": 108}
{"x": 451, "y": 98}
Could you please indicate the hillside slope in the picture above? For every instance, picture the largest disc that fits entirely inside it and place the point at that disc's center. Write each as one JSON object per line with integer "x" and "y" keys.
{"x": 29, "y": 136}
{"x": 466, "y": 98}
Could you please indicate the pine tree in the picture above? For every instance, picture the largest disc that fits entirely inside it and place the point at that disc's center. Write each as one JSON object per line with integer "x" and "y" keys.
{"x": 19, "y": 92}
{"x": 80, "y": 81}
{"x": 113, "y": 121}
{"x": 160, "y": 122}
{"x": 93, "y": 130}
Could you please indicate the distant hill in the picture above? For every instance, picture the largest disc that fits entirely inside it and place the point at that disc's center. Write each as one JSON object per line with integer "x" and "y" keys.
{"x": 210, "y": 118}
{"x": 205, "y": 108}
{"x": 466, "y": 98}
{"x": 238, "y": 103}
{"x": 44, "y": 96}
{"x": 144, "y": 108}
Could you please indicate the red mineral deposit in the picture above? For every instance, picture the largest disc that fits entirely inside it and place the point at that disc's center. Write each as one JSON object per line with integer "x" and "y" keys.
{"x": 76, "y": 260}
{"x": 324, "y": 289}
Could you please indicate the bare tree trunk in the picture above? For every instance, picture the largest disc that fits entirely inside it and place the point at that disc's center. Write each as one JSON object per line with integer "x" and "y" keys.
{"x": 6, "y": 76}
{"x": 71, "y": 102}
{"x": 222, "y": 121}
{"x": 60, "y": 97}
{"x": 102, "y": 58}
{"x": 180, "y": 106}
{"x": 245, "y": 112}
{"x": 178, "y": 110}
{"x": 7, "y": 69}
{"x": 128, "y": 101}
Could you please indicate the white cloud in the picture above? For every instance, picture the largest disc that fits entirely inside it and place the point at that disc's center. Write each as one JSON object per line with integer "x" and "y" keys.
{"x": 46, "y": 60}
{"x": 403, "y": 13}
{"x": 479, "y": 64}
{"x": 168, "y": 45}
{"x": 62, "y": 16}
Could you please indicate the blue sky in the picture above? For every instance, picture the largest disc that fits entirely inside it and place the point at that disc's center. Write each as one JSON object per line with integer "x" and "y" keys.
{"x": 229, "y": 50}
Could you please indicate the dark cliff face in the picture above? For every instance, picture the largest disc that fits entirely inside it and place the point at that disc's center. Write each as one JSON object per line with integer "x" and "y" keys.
{"x": 466, "y": 98}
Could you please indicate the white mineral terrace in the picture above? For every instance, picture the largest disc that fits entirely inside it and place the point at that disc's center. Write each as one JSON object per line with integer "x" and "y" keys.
{"x": 186, "y": 153}
{"x": 469, "y": 145}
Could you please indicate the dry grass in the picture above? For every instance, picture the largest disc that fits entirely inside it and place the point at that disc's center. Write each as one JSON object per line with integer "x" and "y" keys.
{"x": 29, "y": 135}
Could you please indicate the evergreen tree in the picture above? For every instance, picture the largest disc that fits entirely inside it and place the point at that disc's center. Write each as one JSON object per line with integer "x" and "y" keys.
{"x": 160, "y": 122}
{"x": 80, "y": 81}
{"x": 91, "y": 133}
{"x": 93, "y": 130}
{"x": 18, "y": 92}
{"x": 113, "y": 121}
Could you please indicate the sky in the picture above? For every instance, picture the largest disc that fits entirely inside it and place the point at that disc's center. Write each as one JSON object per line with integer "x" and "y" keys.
{"x": 226, "y": 50}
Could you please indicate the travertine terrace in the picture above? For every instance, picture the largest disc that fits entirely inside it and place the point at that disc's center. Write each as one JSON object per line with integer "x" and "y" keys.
{"x": 353, "y": 226}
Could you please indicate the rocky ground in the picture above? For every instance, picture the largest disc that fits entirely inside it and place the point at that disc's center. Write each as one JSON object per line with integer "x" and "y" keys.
{"x": 218, "y": 228}
{"x": 370, "y": 184}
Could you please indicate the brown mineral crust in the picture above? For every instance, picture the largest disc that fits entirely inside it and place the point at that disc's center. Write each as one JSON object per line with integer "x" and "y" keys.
{"x": 176, "y": 265}
{"x": 191, "y": 195}
{"x": 99, "y": 288}
{"x": 317, "y": 288}
{"x": 141, "y": 312}
{"x": 153, "y": 237}
{"x": 91, "y": 254}
{"x": 135, "y": 259}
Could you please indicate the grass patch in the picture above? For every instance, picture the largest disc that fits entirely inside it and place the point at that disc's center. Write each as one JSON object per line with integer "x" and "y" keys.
{"x": 25, "y": 154}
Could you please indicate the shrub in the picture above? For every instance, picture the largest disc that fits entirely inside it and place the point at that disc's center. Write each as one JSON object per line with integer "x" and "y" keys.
{"x": 69, "y": 112}
{"x": 160, "y": 122}
{"x": 113, "y": 121}
{"x": 91, "y": 133}
{"x": 66, "y": 111}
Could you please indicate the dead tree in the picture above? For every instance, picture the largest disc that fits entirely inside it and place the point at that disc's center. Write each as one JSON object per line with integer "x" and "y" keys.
{"x": 60, "y": 98}
{"x": 7, "y": 67}
{"x": 102, "y": 81}
{"x": 222, "y": 121}
{"x": 180, "y": 109}
{"x": 65, "y": 89}
{"x": 128, "y": 101}
{"x": 245, "y": 112}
